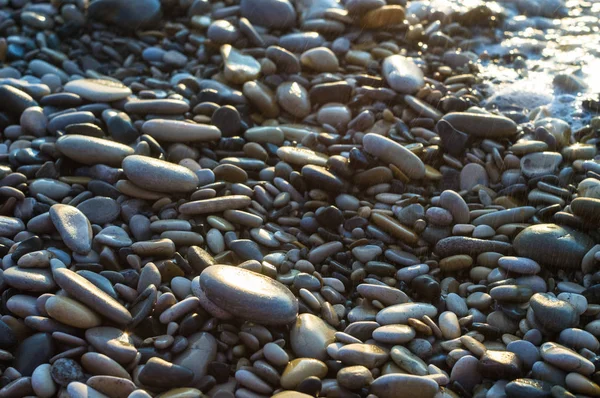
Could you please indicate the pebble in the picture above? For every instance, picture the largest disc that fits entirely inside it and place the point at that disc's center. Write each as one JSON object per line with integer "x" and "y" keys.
{"x": 394, "y": 334}
{"x": 310, "y": 336}
{"x": 525, "y": 351}
{"x": 160, "y": 373}
{"x": 72, "y": 313}
{"x": 98, "y": 90}
{"x": 53, "y": 189}
{"x": 576, "y": 300}
{"x": 578, "y": 339}
{"x": 502, "y": 217}
{"x": 33, "y": 351}
{"x": 482, "y": 125}
{"x": 391, "y": 152}
{"x": 500, "y": 365}
{"x": 29, "y": 279}
{"x": 581, "y": 385}
{"x": 294, "y": 99}
{"x": 79, "y": 390}
{"x": 264, "y": 301}
{"x": 96, "y": 363}
{"x": 354, "y": 377}
{"x": 539, "y": 164}
{"x": 10, "y": 226}
{"x": 73, "y": 226}
{"x": 528, "y": 388}
{"x": 320, "y": 59}
{"x": 274, "y": 14}
{"x": 34, "y": 120}
{"x": 520, "y": 265}
{"x": 400, "y": 313}
{"x": 92, "y": 296}
{"x": 392, "y": 385}
{"x": 199, "y": 353}
{"x": 131, "y": 15}
{"x": 239, "y": 68}
{"x": 112, "y": 386}
{"x": 586, "y": 208}
{"x": 179, "y": 131}
{"x": 472, "y": 175}
{"x": 367, "y": 355}
{"x": 112, "y": 342}
{"x": 275, "y": 354}
{"x": 158, "y": 175}
{"x": 65, "y": 371}
{"x": 92, "y": 150}
{"x": 563, "y": 247}
{"x": 100, "y": 210}
{"x": 553, "y": 314}
{"x": 300, "y": 369}
{"x": 565, "y": 359}
{"x": 382, "y": 17}
{"x": 42, "y": 383}
{"x": 366, "y": 253}
{"x": 402, "y": 74}
{"x": 466, "y": 372}
{"x": 292, "y": 199}
{"x": 408, "y": 361}
{"x": 449, "y": 326}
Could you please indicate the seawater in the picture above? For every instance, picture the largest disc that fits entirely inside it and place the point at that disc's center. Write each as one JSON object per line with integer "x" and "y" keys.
{"x": 538, "y": 40}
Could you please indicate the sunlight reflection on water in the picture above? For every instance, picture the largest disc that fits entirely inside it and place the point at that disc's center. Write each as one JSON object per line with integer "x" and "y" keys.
{"x": 569, "y": 45}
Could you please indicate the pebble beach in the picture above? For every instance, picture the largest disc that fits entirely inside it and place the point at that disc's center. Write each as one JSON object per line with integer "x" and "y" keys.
{"x": 299, "y": 198}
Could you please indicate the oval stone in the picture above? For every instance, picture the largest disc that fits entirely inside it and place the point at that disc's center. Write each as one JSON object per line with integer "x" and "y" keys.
{"x": 381, "y": 17}
{"x": 98, "y": 90}
{"x": 179, "y": 131}
{"x": 158, "y": 175}
{"x": 29, "y": 279}
{"x": 402, "y": 74}
{"x": 499, "y": 218}
{"x": 520, "y": 265}
{"x": 456, "y": 205}
{"x": 553, "y": 314}
{"x": 71, "y": 312}
{"x": 32, "y": 352}
{"x": 238, "y": 68}
{"x": 100, "y": 209}
{"x": 538, "y": 164}
{"x": 73, "y": 226}
{"x": 553, "y": 245}
{"x": 86, "y": 292}
{"x": 310, "y": 336}
{"x": 400, "y": 313}
{"x": 249, "y": 295}
{"x": 112, "y": 342}
{"x": 92, "y": 150}
{"x": 77, "y": 389}
{"x": 404, "y": 385}
{"x": 53, "y": 189}
{"x": 482, "y": 125}
{"x": 199, "y": 353}
{"x": 394, "y": 334}
{"x": 274, "y": 14}
{"x": 294, "y": 99}
{"x": 368, "y": 355}
{"x": 390, "y": 151}
{"x": 587, "y": 208}
{"x": 566, "y": 359}
{"x": 10, "y": 226}
{"x": 128, "y": 15}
